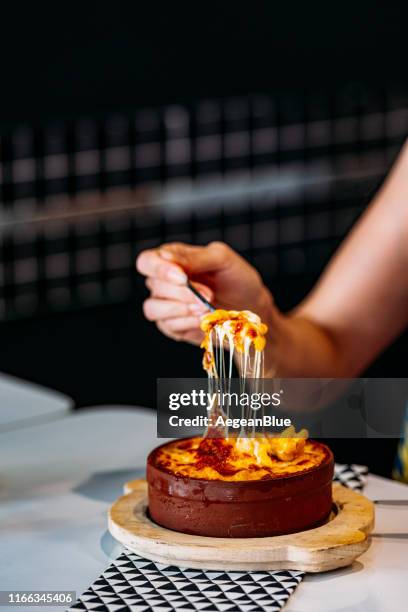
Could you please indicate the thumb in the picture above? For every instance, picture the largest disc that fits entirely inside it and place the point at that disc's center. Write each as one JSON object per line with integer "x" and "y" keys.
{"x": 197, "y": 259}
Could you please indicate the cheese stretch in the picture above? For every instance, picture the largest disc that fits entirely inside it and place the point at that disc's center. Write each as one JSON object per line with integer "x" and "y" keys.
{"x": 249, "y": 456}
{"x": 230, "y": 460}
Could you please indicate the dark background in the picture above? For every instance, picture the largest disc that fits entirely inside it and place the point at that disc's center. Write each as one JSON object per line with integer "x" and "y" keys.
{"x": 73, "y": 58}
{"x": 68, "y": 60}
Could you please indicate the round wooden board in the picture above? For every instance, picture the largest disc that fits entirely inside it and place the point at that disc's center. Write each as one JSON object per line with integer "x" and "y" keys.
{"x": 336, "y": 544}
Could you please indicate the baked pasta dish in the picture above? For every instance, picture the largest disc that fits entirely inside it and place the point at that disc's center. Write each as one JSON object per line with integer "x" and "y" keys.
{"x": 246, "y": 486}
{"x": 240, "y": 459}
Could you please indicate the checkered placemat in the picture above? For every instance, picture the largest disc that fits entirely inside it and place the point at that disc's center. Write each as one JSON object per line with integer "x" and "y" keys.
{"x": 136, "y": 584}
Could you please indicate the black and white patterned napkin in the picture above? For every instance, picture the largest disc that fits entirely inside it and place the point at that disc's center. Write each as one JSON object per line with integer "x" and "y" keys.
{"x": 132, "y": 583}
{"x": 350, "y": 475}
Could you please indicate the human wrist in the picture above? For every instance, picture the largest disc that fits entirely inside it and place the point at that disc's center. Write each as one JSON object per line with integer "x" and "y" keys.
{"x": 275, "y": 343}
{"x": 267, "y": 310}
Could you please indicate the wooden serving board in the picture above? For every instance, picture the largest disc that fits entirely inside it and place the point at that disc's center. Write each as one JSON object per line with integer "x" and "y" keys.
{"x": 336, "y": 544}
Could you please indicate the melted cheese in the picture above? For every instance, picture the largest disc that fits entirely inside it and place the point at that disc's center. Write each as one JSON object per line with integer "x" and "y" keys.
{"x": 248, "y": 457}
{"x": 240, "y": 329}
{"x": 229, "y": 460}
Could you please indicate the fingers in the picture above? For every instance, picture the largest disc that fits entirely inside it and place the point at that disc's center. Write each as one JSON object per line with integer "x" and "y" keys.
{"x": 174, "y": 261}
{"x": 164, "y": 290}
{"x": 197, "y": 259}
{"x": 150, "y": 263}
{"x": 182, "y": 329}
{"x": 172, "y": 305}
{"x": 177, "y": 326}
{"x": 156, "y": 310}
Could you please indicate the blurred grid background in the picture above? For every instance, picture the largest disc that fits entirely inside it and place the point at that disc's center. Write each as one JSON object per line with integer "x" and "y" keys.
{"x": 280, "y": 178}
{"x": 124, "y": 126}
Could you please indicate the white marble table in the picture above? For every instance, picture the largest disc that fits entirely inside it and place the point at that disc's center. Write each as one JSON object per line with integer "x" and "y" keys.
{"x": 24, "y": 403}
{"x": 57, "y": 480}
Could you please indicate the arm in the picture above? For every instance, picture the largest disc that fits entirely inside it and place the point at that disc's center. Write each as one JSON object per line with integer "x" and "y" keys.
{"x": 359, "y": 305}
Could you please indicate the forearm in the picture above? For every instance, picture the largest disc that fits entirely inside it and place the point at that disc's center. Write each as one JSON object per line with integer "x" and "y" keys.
{"x": 356, "y": 309}
{"x": 360, "y": 303}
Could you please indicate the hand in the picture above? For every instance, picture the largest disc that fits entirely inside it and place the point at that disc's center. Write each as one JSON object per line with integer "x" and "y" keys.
{"x": 219, "y": 273}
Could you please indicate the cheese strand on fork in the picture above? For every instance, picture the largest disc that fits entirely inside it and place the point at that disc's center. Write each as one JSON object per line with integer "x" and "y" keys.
{"x": 242, "y": 331}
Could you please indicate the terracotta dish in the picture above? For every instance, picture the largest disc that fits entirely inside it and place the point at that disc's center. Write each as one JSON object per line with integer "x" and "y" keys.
{"x": 295, "y": 497}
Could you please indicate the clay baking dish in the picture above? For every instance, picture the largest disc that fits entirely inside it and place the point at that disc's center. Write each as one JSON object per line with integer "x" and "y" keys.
{"x": 242, "y": 509}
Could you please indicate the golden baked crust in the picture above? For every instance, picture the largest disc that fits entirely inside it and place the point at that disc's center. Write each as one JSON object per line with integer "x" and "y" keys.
{"x": 239, "y": 459}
